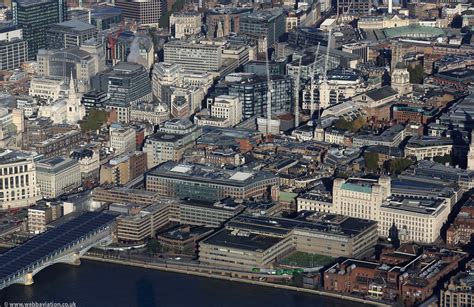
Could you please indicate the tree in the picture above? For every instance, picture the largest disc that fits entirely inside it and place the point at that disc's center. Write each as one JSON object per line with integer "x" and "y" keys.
{"x": 416, "y": 74}
{"x": 371, "y": 160}
{"x": 399, "y": 165}
{"x": 94, "y": 120}
{"x": 153, "y": 246}
{"x": 352, "y": 126}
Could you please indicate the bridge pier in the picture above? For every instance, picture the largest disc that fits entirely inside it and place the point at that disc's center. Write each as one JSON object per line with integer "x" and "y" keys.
{"x": 28, "y": 279}
{"x": 76, "y": 259}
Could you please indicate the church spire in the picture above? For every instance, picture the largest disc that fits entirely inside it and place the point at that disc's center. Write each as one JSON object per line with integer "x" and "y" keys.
{"x": 72, "y": 86}
{"x": 470, "y": 155}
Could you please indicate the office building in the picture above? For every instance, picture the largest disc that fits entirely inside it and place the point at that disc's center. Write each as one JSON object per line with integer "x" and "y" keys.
{"x": 459, "y": 290}
{"x": 60, "y": 144}
{"x": 425, "y": 146}
{"x": 208, "y": 183}
{"x": 339, "y": 86}
{"x": 269, "y": 24}
{"x": 223, "y": 21}
{"x": 461, "y": 230}
{"x": 252, "y": 91}
{"x": 416, "y": 219}
{"x": 89, "y": 161}
{"x": 164, "y": 74}
{"x": 143, "y": 225}
{"x": 223, "y": 111}
{"x": 123, "y": 168}
{"x": 194, "y": 57}
{"x": 57, "y": 176}
{"x": 361, "y": 198}
{"x": 46, "y": 88}
{"x": 258, "y": 242}
{"x": 128, "y": 83}
{"x": 124, "y": 195}
{"x": 360, "y": 48}
{"x": 103, "y": 17}
{"x": 391, "y": 137}
{"x": 74, "y": 61}
{"x": 351, "y": 7}
{"x": 41, "y": 215}
{"x": 69, "y": 34}
{"x": 145, "y": 12}
{"x": 205, "y": 213}
{"x": 13, "y": 48}
{"x": 94, "y": 100}
{"x": 34, "y": 17}
{"x": 183, "y": 239}
{"x": 413, "y": 114}
{"x": 151, "y": 113}
{"x": 170, "y": 142}
{"x": 17, "y": 179}
{"x": 315, "y": 201}
{"x": 122, "y": 140}
{"x": 185, "y": 24}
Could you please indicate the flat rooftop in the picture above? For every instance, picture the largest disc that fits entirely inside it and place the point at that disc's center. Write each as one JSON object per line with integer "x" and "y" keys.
{"x": 242, "y": 240}
{"x": 417, "y": 205}
{"x": 346, "y": 226}
{"x": 211, "y": 174}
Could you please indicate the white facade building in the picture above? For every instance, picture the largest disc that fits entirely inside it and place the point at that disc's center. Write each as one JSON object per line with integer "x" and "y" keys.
{"x": 18, "y": 186}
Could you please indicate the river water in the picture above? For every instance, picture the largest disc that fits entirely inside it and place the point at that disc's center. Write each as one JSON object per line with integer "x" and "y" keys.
{"x": 103, "y": 284}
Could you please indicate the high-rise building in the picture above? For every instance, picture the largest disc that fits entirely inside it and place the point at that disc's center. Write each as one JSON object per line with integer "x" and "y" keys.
{"x": 128, "y": 83}
{"x": 13, "y": 48}
{"x": 252, "y": 91}
{"x": 34, "y": 17}
{"x": 194, "y": 57}
{"x": 269, "y": 24}
{"x": 146, "y": 12}
{"x": 69, "y": 34}
{"x": 64, "y": 63}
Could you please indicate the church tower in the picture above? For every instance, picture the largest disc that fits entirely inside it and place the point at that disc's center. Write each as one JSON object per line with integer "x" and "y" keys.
{"x": 75, "y": 110}
{"x": 470, "y": 155}
{"x": 401, "y": 80}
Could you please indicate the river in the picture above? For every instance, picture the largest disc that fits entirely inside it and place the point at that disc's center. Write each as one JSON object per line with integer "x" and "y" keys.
{"x": 104, "y": 284}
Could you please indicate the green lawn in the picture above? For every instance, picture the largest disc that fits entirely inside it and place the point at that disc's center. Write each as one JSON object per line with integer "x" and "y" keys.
{"x": 306, "y": 260}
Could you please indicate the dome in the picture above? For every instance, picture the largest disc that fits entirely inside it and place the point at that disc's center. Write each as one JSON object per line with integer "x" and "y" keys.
{"x": 400, "y": 65}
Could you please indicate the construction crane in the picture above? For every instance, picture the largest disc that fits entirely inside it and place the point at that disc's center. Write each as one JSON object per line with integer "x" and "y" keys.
{"x": 312, "y": 87}
{"x": 269, "y": 96}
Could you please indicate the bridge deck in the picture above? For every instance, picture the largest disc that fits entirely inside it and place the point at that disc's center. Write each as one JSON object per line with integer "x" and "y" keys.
{"x": 51, "y": 241}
